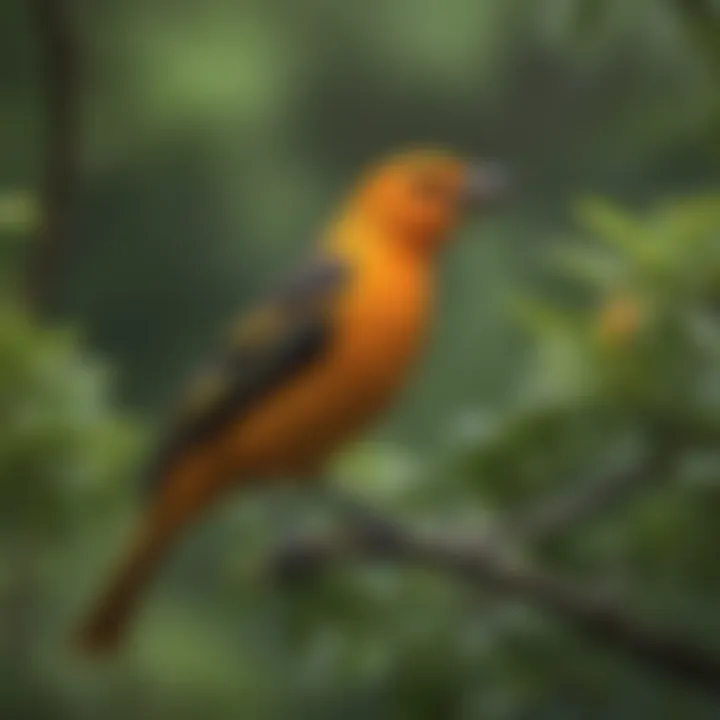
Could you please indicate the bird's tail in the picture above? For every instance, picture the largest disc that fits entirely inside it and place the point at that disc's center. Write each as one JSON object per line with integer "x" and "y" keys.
{"x": 185, "y": 494}
{"x": 103, "y": 631}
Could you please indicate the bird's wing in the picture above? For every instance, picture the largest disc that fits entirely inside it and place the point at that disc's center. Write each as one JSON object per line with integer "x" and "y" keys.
{"x": 266, "y": 348}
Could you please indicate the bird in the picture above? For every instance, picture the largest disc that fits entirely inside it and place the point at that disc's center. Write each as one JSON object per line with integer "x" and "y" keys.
{"x": 309, "y": 366}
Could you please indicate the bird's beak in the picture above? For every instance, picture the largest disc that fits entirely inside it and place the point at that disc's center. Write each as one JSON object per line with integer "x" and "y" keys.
{"x": 486, "y": 185}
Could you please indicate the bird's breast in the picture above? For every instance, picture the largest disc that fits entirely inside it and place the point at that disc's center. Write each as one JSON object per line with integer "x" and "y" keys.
{"x": 381, "y": 323}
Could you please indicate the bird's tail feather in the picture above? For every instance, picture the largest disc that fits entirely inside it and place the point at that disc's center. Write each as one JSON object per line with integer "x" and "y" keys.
{"x": 185, "y": 495}
{"x": 106, "y": 626}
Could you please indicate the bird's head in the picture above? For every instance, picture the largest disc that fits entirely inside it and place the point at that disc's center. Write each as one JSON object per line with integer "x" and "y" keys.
{"x": 420, "y": 197}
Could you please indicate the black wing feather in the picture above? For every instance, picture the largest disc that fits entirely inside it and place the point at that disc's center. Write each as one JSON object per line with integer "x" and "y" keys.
{"x": 282, "y": 336}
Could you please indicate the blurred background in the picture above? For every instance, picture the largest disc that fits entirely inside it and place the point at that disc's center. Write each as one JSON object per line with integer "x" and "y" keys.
{"x": 181, "y": 157}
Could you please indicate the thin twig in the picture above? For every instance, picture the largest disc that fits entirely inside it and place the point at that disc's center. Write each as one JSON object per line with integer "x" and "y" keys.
{"x": 570, "y": 508}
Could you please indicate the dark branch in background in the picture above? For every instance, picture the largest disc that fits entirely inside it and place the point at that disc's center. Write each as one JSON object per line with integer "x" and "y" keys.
{"x": 59, "y": 83}
{"x": 59, "y": 54}
{"x": 567, "y": 510}
{"x": 481, "y": 563}
{"x": 490, "y": 560}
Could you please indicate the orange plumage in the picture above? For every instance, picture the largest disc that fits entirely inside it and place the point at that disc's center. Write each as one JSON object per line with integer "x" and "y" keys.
{"x": 311, "y": 366}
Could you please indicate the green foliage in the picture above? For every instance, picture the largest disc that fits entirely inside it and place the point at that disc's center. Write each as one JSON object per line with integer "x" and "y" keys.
{"x": 18, "y": 217}
{"x": 62, "y": 448}
{"x": 17, "y": 212}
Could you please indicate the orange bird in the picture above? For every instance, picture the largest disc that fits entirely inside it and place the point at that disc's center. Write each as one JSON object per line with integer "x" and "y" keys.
{"x": 311, "y": 365}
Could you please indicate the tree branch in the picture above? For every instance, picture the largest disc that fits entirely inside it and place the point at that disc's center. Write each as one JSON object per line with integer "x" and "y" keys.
{"x": 568, "y": 509}
{"x": 61, "y": 98}
{"x": 58, "y": 48}
{"x": 480, "y": 563}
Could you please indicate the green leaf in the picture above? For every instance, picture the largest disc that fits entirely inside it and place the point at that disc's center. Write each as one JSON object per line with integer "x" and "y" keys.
{"x": 18, "y": 211}
{"x": 593, "y": 266}
{"x": 614, "y": 226}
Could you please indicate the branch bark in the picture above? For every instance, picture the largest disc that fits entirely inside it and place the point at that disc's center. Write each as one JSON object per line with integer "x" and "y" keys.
{"x": 567, "y": 510}
{"x": 59, "y": 55}
{"x": 479, "y": 562}
{"x": 58, "y": 48}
